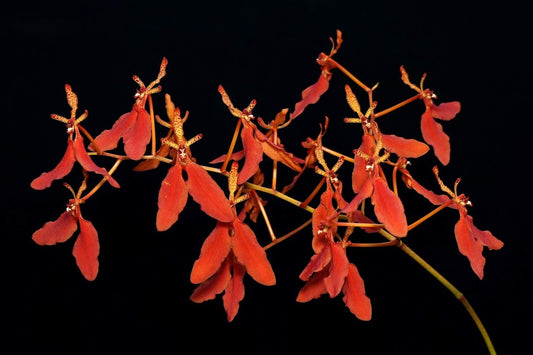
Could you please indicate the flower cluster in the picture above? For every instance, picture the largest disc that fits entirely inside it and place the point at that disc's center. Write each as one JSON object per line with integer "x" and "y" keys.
{"x": 233, "y": 249}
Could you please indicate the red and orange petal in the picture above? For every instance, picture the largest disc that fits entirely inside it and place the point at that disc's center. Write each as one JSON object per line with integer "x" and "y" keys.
{"x": 312, "y": 94}
{"x": 446, "y": 110}
{"x": 355, "y": 297}
{"x": 406, "y": 148}
{"x": 207, "y": 193}
{"x": 57, "y": 231}
{"x": 389, "y": 208}
{"x": 86, "y": 162}
{"x": 317, "y": 263}
{"x": 214, "y": 251}
{"x": 338, "y": 269}
{"x": 313, "y": 288}
{"x": 253, "y": 155}
{"x": 471, "y": 240}
{"x": 62, "y": 169}
{"x": 86, "y": 249}
{"x": 434, "y": 135}
{"x": 109, "y": 138}
{"x": 137, "y": 138}
{"x": 251, "y": 255}
{"x": 172, "y": 198}
{"x": 234, "y": 292}
{"x": 208, "y": 289}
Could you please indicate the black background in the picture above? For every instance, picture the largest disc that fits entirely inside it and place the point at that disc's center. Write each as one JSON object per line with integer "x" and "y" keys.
{"x": 263, "y": 50}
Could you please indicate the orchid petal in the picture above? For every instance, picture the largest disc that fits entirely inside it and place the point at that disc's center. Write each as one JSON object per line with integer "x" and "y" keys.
{"x": 214, "y": 251}
{"x": 317, "y": 263}
{"x": 206, "y": 192}
{"x": 109, "y": 138}
{"x": 56, "y": 231}
{"x": 86, "y": 249}
{"x": 434, "y": 135}
{"x": 312, "y": 94}
{"x": 313, "y": 288}
{"x": 446, "y": 110}
{"x": 208, "y": 289}
{"x": 468, "y": 245}
{"x": 251, "y": 255}
{"x": 137, "y": 138}
{"x": 389, "y": 208}
{"x": 360, "y": 173}
{"x": 338, "y": 270}
{"x": 253, "y": 152}
{"x": 355, "y": 297}
{"x": 407, "y": 148}
{"x": 62, "y": 169}
{"x": 172, "y": 198}
{"x": 234, "y": 292}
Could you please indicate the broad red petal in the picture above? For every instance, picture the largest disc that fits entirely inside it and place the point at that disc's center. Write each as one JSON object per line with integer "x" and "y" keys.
{"x": 355, "y": 297}
{"x": 435, "y": 137}
{"x": 109, "y": 138}
{"x": 62, "y": 169}
{"x": 468, "y": 245}
{"x": 389, "y": 208}
{"x": 313, "y": 288}
{"x": 364, "y": 193}
{"x": 215, "y": 249}
{"x": 86, "y": 162}
{"x": 86, "y": 249}
{"x": 208, "y": 289}
{"x": 206, "y": 192}
{"x": 56, "y": 231}
{"x": 446, "y": 110}
{"x": 321, "y": 217}
{"x": 234, "y": 292}
{"x": 338, "y": 269}
{"x": 253, "y": 155}
{"x": 172, "y": 198}
{"x": 407, "y": 148}
{"x": 312, "y": 94}
{"x": 251, "y": 255}
{"x": 137, "y": 138}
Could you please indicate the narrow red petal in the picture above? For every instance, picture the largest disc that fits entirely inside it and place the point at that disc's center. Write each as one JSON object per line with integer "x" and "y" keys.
{"x": 234, "y": 292}
{"x": 251, "y": 255}
{"x": 214, "y": 251}
{"x": 172, "y": 198}
{"x": 87, "y": 163}
{"x": 276, "y": 152}
{"x": 312, "y": 94}
{"x": 208, "y": 289}
{"x": 253, "y": 155}
{"x": 313, "y": 288}
{"x": 406, "y": 148}
{"x": 109, "y": 138}
{"x": 338, "y": 270}
{"x": 446, "y": 110}
{"x": 86, "y": 249}
{"x": 364, "y": 193}
{"x": 206, "y": 192}
{"x": 468, "y": 245}
{"x": 436, "y": 199}
{"x": 62, "y": 169}
{"x": 355, "y": 297}
{"x": 389, "y": 208}
{"x": 56, "y": 231}
{"x": 137, "y": 138}
{"x": 435, "y": 137}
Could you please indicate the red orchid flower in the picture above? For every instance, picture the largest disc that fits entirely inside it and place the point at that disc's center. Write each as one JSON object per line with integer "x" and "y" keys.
{"x": 368, "y": 181}
{"x": 470, "y": 239}
{"x": 86, "y": 247}
{"x": 432, "y": 130}
{"x": 174, "y": 190}
{"x": 252, "y": 149}
{"x": 329, "y": 270}
{"x": 228, "y": 253}
{"x": 75, "y": 149}
{"x": 313, "y": 93}
{"x": 133, "y": 127}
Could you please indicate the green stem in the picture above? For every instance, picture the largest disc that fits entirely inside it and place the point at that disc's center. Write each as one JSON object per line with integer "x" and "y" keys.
{"x": 458, "y": 294}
